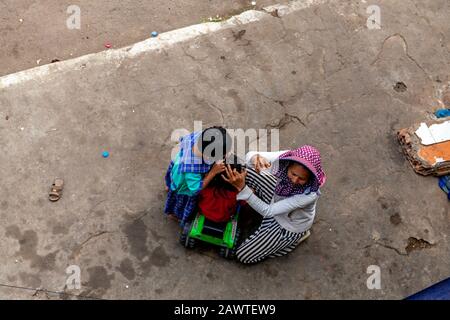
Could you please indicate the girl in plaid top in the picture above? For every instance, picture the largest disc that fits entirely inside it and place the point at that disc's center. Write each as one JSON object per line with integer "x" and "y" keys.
{"x": 192, "y": 170}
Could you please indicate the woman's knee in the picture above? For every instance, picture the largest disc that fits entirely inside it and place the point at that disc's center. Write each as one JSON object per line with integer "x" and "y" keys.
{"x": 242, "y": 256}
{"x": 247, "y": 257}
{"x": 246, "y": 260}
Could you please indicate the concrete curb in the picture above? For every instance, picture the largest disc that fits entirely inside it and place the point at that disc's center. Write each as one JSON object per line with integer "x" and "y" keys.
{"x": 163, "y": 41}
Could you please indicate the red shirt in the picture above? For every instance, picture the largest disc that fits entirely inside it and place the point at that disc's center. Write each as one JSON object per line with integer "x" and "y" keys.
{"x": 217, "y": 205}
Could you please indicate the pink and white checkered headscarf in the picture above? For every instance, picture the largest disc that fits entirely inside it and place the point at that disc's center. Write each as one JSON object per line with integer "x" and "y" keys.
{"x": 307, "y": 156}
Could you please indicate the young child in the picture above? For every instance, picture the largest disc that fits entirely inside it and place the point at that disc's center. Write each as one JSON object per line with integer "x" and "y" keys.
{"x": 193, "y": 169}
{"x": 217, "y": 202}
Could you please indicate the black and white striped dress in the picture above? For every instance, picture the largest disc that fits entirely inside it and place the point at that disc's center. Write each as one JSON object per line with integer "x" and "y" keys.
{"x": 270, "y": 240}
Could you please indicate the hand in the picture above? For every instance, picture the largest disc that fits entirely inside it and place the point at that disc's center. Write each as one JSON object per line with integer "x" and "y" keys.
{"x": 260, "y": 163}
{"x": 217, "y": 168}
{"x": 235, "y": 178}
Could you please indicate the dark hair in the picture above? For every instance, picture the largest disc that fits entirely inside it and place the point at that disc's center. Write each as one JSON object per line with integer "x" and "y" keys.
{"x": 218, "y": 183}
{"x": 215, "y": 140}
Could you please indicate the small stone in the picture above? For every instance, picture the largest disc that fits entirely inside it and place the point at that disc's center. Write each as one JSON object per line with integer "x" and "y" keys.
{"x": 376, "y": 235}
{"x": 253, "y": 3}
{"x": 22, "y": 128}
{"x": 154, "y": 34}
{"x": 20, "y": 20}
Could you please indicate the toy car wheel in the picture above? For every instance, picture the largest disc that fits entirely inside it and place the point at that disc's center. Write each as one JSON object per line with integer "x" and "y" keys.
{"x": 238, "y": 235}
{"x": 222, "y": 252}
{"x": 191, "y": 243}
{"x": 184, "y": 236}
{"x": 231, "y": 254}
{"x": 182, "y": 239}
{"x": 227, "y": 253}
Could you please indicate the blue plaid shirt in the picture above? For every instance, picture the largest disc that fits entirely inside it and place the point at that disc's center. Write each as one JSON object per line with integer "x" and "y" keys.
{"x": 191, "y": 163}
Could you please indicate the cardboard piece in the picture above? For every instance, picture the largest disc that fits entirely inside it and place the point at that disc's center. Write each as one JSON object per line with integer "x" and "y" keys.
{"x": 427, "y": 146}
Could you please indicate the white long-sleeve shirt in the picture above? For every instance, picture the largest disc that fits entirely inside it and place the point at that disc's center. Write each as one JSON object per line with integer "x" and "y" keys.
{"x": 295, "y": 213}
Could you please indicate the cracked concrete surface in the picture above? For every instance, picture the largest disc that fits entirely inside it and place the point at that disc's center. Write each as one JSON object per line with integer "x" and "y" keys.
{"x": 318, "y": 74}
{"x": 35, "y": 32}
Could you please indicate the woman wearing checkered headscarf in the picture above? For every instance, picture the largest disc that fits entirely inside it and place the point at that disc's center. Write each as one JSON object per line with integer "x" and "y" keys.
{"x": 286, "y": 197}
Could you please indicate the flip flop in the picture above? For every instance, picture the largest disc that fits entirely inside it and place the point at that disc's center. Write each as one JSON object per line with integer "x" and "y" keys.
{"x": 57, "y": 187}
{"x": 305, "y": 236}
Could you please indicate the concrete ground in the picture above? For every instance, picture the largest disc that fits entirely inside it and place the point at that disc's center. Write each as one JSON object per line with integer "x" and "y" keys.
{"x": 318, "y": 74}
{"x": 33, "y": 32}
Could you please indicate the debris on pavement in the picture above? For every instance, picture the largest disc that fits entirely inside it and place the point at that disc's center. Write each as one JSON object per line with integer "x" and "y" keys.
{"x": 105, "y": 154}
{"x": 56, "y": 191}
{"x": 274, "y": 13}
{"x": 442, "y": 113}
{"x": 435, "y": 133}
{"x": 108, "y": 45}
{"x": 427, "y": 147}
{"x": 155, "y": 34}
{"x": 400, "y": 87}
{"x": 217, "y": 18}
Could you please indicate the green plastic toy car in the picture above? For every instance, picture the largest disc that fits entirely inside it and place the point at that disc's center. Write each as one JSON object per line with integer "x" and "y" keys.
{"x": 224, "y": 235}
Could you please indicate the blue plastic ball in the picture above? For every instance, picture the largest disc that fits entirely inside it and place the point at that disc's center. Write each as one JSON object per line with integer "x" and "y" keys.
{"x": 105, "y": 154}
{"x": 154, "y": 34}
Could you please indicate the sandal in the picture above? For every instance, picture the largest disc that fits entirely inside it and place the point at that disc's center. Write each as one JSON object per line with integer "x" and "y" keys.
{"x": 57, "y": 187}
{"x": 305, "y": 236}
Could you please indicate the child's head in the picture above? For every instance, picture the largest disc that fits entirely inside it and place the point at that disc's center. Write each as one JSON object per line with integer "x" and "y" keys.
{"x": 214, "y": 144}
{"x": 235, "y": 163}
